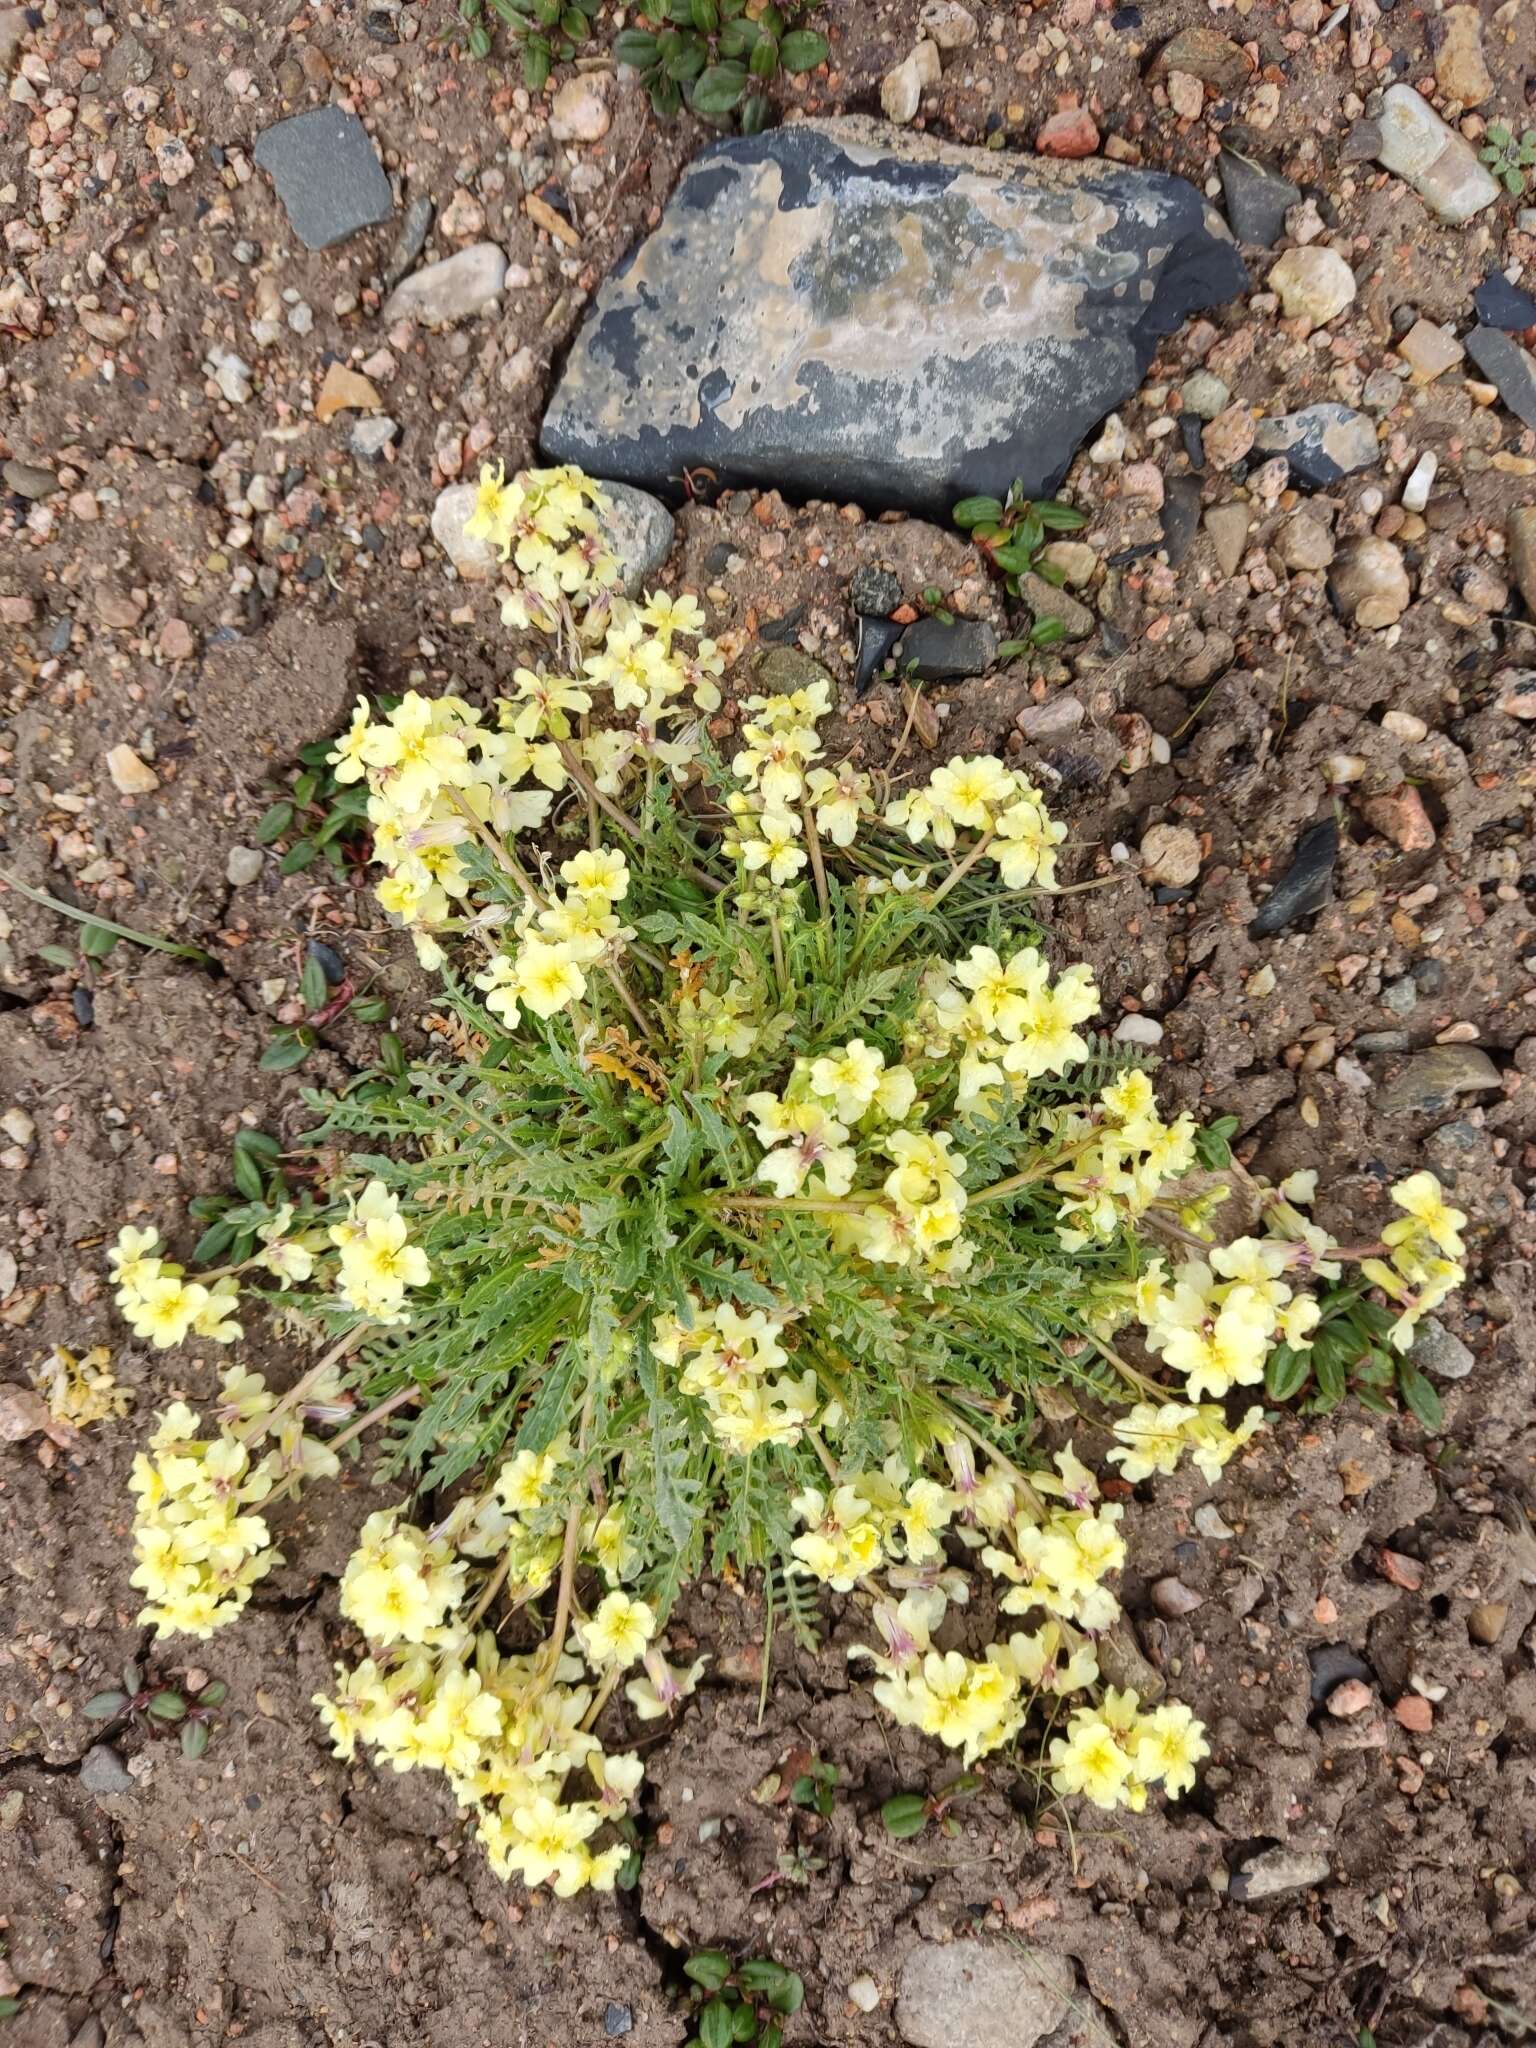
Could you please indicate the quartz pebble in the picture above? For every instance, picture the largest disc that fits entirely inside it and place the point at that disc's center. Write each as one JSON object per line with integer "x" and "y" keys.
{"x": 1314, "y": 284}
{"x": 455, "y": 289}
{"x": 1170, "y": 855}
{"x": 130, "y": 775}
{"x": 1421, "y": 477}
{"x": 1370, "y": 583}
{"x": 1440, "y": 165}
{"x": 581, "y": 110}
{"x": 902, "y": 88}
{"x": 1429, "y": 351}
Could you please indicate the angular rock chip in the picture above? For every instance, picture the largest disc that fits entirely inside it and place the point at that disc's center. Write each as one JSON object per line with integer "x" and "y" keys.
{"x": 839, "y": 312}
{"x": 1323, "y": 443}
{"x": 327, "y": 173}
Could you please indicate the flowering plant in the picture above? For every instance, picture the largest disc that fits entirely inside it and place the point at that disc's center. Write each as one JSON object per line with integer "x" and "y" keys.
{"x": 774, "y": 1183}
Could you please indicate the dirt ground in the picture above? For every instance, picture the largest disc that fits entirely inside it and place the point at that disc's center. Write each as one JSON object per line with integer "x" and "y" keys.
{"x": 211, "y": 583}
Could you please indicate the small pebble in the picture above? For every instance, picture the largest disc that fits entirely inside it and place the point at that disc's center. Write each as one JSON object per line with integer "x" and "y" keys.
{"x": 243, "y": 865}
{"x": 1353, "y": 1696}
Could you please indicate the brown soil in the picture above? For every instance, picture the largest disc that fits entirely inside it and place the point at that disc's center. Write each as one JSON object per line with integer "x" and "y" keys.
{"x": 271, "y": 1896}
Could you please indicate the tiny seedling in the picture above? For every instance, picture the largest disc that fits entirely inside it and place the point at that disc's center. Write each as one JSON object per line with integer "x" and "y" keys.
{"x": 1010, "y": 533}
{"x": 1510, "y": 157}
{"x": 546, "y": 32}
{"x": 319, "y": 817}
{"x": 716, "y": 58}
{"x": 159, "y": 1708}
{"x": 746, "y": 2001}
{"x": 909, "y": 1813}
{"x": 816, "y": 1787}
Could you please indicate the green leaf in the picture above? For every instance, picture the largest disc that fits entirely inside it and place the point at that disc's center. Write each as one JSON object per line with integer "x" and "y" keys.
{"x": 764, "y": 61}
{"x": 666, "y": 99}
{"x": 718, "y": 89}
{"x": 1010, "y": 650}
{"x": 538, "y": 62}
{"x": 56, "y": 956}
{"x": 706, "y": 16}
{"x": 1213, "y": 1143}
{"x": 1419, "y": 1397}
{"x": 688, "y": 62}
{"x": 298, "y": 857}
{"x": 96, "y": 942}
{"x": 709, "y": 1967}
{"x": 167, "y": 1706}
{"x": 1286, "y": 1372}
{"x": 372, "y": 1010}
{"x": 575, "y": 24}
{"x": 215, "y": 1240}
{"x": 1046, "y": 632}
{"x": 636, "y": 47}
{"x": 304, "y": 789}
{"x": 789, "y": 1996}
{"x": 213, "y": 1694}
{"x": 971, "y": 512}
{"x": 802, "y": 50}
{"x": 273, "y": 824}
{"x": 9, "y": 2007}
{"x": 261, "y": 1144}
{"x": 392, "y": 1055}
{"x": 756, "y": 113}
{"x": 738, "y": 38}
{"x": 717, "y": 2024}
{"x": 1329, "y": 1365}
{"x": 905, "y": 1816}
{"x": 313, "y": 986}
{"x": 287, "y": 1052}
{"x": 104, "y": 1706}
{"x": 194, "y": 1739}
{"x": 248, "y": 1176}
{"x": 1058, "y": 518}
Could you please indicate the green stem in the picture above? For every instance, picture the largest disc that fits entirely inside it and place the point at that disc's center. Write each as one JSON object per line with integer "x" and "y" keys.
{"x": 106, "y": 924}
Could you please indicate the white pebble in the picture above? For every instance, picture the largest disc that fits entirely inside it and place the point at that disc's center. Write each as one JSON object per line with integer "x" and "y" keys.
{"x": 1136, "y": 1029}
{"x": 864, "y": 1992}
{"x": 1416, "y": 490}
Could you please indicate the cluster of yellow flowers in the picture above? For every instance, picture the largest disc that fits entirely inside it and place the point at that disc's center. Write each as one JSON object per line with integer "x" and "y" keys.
{"x": 1008, "y": 1021}
{"x": 198, "y": 1546}
{"x": 982, "y": 794}
{"x": 782, "y": 789}
{"x": 559, "y": 940}
{"x": 544, "y": 520}
{"x": 159, "y": 1303}
{"x": 377, "y": 1260}
{"x": 1155, "y": 1435}
{"x": 1112, "y": 1752}
{"x": 735, "y": 1368}
{"x": 1426, "y": 1250}
{"x": 1217, "y": 1327}
{"x": 434, "y": 1693}
{"x": 1053, "y": 1542}
{"x": 80, "y": 1390}
{"x": 1125, "y": 1156}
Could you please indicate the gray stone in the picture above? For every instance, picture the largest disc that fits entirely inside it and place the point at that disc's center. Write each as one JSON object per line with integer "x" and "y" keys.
{"x": 1512, "y": 368}
{"x": 457, "y": 288}
{"x": 27, "y": 481}
{"x": 1498, "y": 303}
{"x": 1323, "y": 443}
{"x": 839, "y": 312}
{"x": 1382, "y": 1041}
{"x": 1052, "y": 720}
{"x": 1278, "y": 1870}
{"x": 873, "y": 592}
{"x": 936, "y": 652}
{"x": 877, "y": 639}
{"x": 639, "y": 529}
{"x": 1401, "y": 996}
{"x": 1181, "y": 517}
{"x": 1437, "y": 1350}
{"x": 475, "y": 559}
{"x": 1440, "y": 165}
{"x": 103, "y": 1771}
{"x": 1047, "y": 601}
{"x": 243, "y": 865}
{"x": 984, "y": 1994}
{"x": 1434, "y": 1078}
{"x": 1256, "y": 200}
{"x": 410, "y": 241}
{"x": 370, "y": 437}
{"x": 1305, "y": 884}
{"x": 1204, "y": 394}
{"x": 327, "y": 173}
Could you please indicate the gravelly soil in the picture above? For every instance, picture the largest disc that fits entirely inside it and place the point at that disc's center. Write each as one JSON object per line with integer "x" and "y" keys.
{"x": 271, "y": 1896}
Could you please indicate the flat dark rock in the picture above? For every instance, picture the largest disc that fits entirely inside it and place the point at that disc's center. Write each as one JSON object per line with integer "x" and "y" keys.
{"x": 1498, "y": 303}
{"x": 1305, "y": 884}
{"x": 841, "y": 312}
{"x": 1323, "y": 443}
{"x": 1509, "y": 366}
{"x": 1256, "y": 200}
{"x": 327, "y": 173}
{"x": 946, "y": 651}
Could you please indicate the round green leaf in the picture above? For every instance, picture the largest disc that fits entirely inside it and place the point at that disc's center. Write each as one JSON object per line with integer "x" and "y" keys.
{"x": 105, "y": 1706}
{"x": 709, "y": 1967}
{"x": 287, "y": 1052}
{"x": 636, "y": 47}
{"x": 194, "y": 1739}
{"x": 719, "y": 89}
{"x": 764, "y": 61}
{"x": 706, "y": 16}
{"x": 717, "y": 2024}
{"x": 803, "y": 49}
{"x": 905, "y": 1815}
{"x": 167, "y": 1706}
{"x": 756, "y": 113}
{"x": 272, "y": 824}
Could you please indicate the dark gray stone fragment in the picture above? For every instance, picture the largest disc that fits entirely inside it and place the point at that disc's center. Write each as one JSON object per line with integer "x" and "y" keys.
{"x": 936, "y": 652}
{"x": 1322, "y": 443}
{"x": 1512, "y": 368}
{"x": 1304, "y": 886}
{"x": 1256, "y": 200}
{"x": 327, "y": 173}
